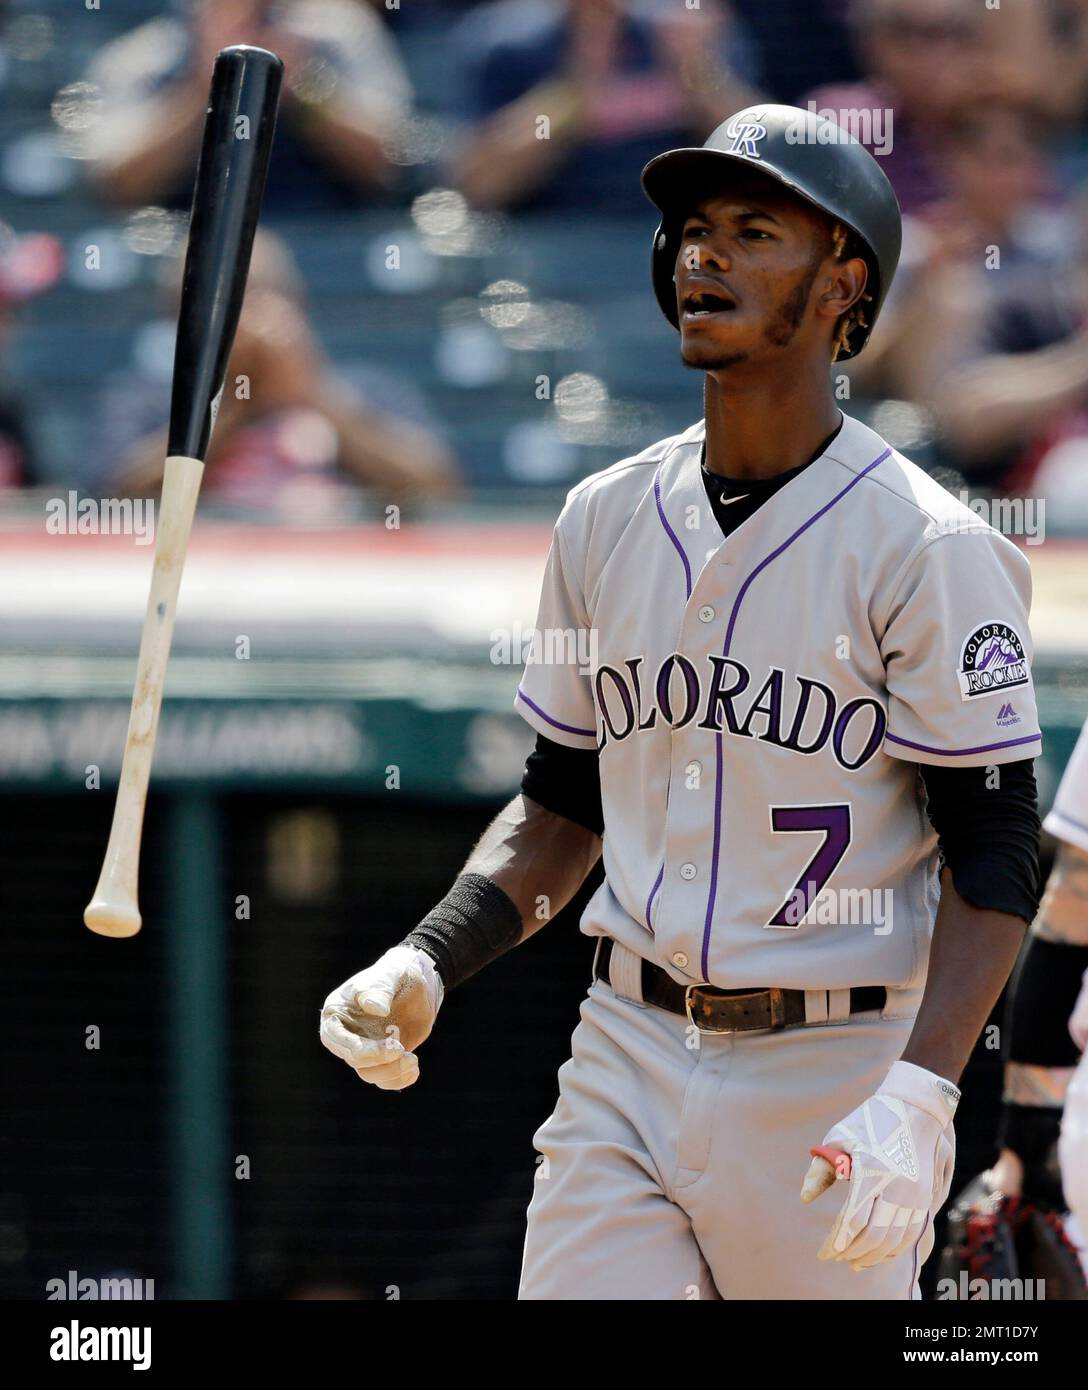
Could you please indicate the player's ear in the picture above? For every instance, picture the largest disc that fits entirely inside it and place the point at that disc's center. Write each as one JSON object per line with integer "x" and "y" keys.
{"x": 844, "y": 284}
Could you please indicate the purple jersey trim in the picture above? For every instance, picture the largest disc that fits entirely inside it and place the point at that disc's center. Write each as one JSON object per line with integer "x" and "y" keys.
{"x": 567, "y": 728}
{"x": 653, "y": 895}
{"x": 709, "y": 919}
{"x": 790, "y": 540}
{"x": 914, "y": 1254}
{"x": 671, "y": 533}
{"x": 964, "y": 752}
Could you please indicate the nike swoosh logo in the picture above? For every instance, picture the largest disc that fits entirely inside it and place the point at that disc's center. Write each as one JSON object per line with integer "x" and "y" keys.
{"x": 728, "y": 501}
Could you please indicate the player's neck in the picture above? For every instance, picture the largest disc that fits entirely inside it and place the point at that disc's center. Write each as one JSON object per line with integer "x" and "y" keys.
{"x": 759, "y": 431}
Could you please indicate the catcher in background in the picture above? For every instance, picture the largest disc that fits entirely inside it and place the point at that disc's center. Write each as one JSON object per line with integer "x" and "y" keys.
{"x": 1027, "y": 1216}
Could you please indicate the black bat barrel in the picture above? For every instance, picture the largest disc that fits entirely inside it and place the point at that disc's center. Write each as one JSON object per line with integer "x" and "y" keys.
{"x": 230, "y": 179}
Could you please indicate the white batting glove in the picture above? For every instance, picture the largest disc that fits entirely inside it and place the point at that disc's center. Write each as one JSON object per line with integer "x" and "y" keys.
{"x": 898, "y": 1150}
{"x": 1078, "y": 1020}
{"x": 375, "y": 1020}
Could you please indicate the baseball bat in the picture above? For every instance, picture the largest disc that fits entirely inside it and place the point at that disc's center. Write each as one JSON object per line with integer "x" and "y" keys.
{"x": 829, "y": 1162}
{"x": 230, "y": 179}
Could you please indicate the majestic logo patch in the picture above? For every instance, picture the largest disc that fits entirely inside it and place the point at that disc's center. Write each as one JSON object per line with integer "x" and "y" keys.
{"x": 745, "y": 134}
{"x": 1007, "y": 716}
{"x": 992, "y": 661}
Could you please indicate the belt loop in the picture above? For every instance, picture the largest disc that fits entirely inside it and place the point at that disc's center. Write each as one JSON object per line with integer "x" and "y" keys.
{"x": 816, "y": 1006}
{"x": 625, "y": 973}
{"x": 596, "y": 957}
{"x": 838, "y": 1005}
{"x": 902, "y": 1003}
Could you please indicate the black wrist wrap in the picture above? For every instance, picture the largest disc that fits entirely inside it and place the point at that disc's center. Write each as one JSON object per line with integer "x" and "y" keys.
{"x": 474, "y": 924}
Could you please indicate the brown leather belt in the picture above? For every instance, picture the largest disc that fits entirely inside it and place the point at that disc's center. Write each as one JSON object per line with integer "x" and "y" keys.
{"x": 731, "y": 1010}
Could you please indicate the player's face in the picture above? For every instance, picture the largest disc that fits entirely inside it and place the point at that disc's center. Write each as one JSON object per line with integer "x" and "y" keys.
{"x": 748, "y": 263}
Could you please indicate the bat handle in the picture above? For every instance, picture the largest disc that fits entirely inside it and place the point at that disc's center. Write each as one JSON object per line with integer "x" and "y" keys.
{"x": 114, "y": 909}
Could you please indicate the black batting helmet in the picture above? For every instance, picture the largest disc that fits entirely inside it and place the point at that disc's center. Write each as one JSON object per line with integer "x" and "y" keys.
{"x": 810, "y": 154}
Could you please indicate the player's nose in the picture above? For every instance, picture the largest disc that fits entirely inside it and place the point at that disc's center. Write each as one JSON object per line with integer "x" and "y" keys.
{"x": 716, "y": 257}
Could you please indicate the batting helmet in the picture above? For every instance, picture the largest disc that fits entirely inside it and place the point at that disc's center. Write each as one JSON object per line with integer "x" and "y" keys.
{"x": 813, "y": 156}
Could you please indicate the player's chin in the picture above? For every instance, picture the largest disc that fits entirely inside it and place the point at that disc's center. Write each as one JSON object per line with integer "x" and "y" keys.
{"x": 708, "y": 356}
{"x": 711, "y": 341}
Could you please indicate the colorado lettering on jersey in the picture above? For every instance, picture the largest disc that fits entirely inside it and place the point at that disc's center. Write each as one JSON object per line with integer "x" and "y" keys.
{"x": 721, "y": 696}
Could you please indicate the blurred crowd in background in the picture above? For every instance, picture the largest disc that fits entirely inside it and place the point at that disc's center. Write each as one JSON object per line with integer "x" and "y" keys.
{"x": 446, "y": 308}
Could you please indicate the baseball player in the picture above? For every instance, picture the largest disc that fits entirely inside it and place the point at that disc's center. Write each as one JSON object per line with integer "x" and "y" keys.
{"x": 1060, "y": 936}
{"x": 804, "y": 748}
{"x": 995, "y": 1225}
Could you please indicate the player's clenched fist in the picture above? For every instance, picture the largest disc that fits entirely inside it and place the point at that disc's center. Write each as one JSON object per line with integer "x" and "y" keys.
{"x": 375, "y": 1020}
{"x": 898, "y": 1150}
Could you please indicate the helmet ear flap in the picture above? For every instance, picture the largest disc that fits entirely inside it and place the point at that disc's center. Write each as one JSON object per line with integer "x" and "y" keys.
{"x": 666, "y": 245}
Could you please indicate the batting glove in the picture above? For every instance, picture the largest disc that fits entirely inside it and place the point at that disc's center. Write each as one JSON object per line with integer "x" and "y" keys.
{"x": 897, "y": 1150}
{"x": 375, "y": 1020}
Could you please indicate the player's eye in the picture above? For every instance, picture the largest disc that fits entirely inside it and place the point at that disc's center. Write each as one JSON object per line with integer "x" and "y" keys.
{"x": 755, "y": 234}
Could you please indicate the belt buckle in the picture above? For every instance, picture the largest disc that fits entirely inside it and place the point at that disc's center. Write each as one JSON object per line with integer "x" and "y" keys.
{"x": 691, "y": 1019}
{"x": 777, "y": 1010}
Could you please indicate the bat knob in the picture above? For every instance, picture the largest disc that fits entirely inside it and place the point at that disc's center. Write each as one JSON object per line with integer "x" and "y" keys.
{"x": 108, "y": 918}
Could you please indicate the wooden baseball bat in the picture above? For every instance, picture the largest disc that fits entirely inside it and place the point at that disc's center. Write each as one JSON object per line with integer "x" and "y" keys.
{"x": 230, "y": 179}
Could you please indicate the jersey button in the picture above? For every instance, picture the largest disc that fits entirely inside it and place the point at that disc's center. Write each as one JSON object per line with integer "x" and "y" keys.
{"x": 680, "y": 960}
{"x": 688, "y": 871}
{"x": 706, "y": 614}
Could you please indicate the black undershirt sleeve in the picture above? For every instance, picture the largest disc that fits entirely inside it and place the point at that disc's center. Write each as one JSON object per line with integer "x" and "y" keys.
{"x": 987, "y": 824}
{"x": 566, "y": 781}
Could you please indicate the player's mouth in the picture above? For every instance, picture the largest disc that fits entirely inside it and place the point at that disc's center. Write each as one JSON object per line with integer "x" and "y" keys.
{"x": 703, "y": 305}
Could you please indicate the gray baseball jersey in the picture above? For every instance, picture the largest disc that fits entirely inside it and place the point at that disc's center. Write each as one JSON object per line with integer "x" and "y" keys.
{"x": 759, "y": 705}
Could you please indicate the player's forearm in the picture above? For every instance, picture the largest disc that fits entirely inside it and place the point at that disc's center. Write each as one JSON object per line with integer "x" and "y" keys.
{"x": 1039, "y": 1068}
{"x": 1063, "y": 913}
{"x": 507, "y": 158}
{"x": 973, "y": 953}
{"x": 394, "y": 456}
{"x": 528, "y": 864}
{"x": 148, "y": 149}
{"x": 539, "y": 859}
{"x": 711, "y": 89}
{"x": 1002, "y": 399}
{"x": 348, "y": 142}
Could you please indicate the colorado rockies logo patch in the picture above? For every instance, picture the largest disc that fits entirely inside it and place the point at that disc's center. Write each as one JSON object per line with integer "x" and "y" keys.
{"x": 745, "y": 134}
{"x": 992, "y": 660}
